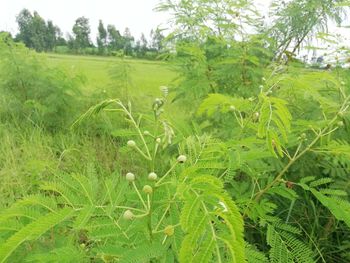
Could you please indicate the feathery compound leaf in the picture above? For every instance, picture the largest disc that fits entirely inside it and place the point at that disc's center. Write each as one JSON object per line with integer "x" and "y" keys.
{"x": 33, "y": 231}
{"x": 214, "y": 231}
{"x": 144, "y": 253}
{"x": 340, "y": 208}
{"x": 285, "y": 247}
{"x": 274, "y": 122}
{"x": 93, "y": 111}
{"x": 67, "y": 254}
{"x": 222, "y": 103}
{"x": 254, "y": 255}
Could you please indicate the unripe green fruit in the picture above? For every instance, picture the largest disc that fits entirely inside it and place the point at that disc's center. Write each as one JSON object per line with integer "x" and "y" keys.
{"x": 131, "y": 143}
{"x": 232, "y": 108}
{"x": 128, "y": 215}
{"x": 181, "y": 159}
{"x": 158, "y": 140}
{"x": 130, "y": 177}
{"x": 147, "y": 189}
{"x": 169, "y": 230}
{"x": 146, "y": 133}
{"x": 340, "y": 123}
{"x": 152, "y": 176}
{"x": 303, "y": 136}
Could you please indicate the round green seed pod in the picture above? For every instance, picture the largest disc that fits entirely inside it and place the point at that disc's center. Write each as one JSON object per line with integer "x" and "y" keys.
{"x": 147, "y": 189}
{"x": 130, "y": 177}
{"x": 131, "y": 143}
{"x": 128, "y": 215}
{"x": 169, "y": 230}
{"x": 152, "y": 176}
{"x": 182, "y": 159}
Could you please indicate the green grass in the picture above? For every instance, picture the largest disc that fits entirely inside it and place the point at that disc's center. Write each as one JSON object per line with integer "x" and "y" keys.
{"x": 146, "y": 76}
{"x": 29, "y": 154}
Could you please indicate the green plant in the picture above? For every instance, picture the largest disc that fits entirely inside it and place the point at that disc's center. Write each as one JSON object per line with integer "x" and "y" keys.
{"x": 31, "y": 90}
{"x": 276, "y": 147}
{"x": 185, "y": 214}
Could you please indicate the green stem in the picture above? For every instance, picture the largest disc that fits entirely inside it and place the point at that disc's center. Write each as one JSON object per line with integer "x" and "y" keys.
{"x": 298, "y": 156}
{"x": 166, "y": 174}
{"x": 140, "y": 197}
{"x": 290, "y": 210}
{"x": 137, "y": 128}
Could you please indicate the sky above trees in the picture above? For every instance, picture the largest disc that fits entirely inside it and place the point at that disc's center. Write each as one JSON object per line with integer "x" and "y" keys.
{"x": 138, "y": 15}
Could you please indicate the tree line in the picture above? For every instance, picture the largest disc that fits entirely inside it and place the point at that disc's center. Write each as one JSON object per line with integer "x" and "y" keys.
{"x": 45, "y": 36}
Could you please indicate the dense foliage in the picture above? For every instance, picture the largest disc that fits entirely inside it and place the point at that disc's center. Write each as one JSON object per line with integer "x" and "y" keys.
{"x": 33, "y": 91}
{"x": 245, "y": 158}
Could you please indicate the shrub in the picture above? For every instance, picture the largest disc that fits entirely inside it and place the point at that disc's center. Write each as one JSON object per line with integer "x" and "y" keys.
{"x": 31, "y": 90}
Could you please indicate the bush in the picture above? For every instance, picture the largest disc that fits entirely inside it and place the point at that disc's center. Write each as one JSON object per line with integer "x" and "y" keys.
{"x": 46, "y": 96}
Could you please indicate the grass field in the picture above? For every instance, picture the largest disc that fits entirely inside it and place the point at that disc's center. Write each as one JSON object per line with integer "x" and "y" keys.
{"x": 21, "y": 167}
{"x": 146, "y": 76}
{"x": 145, "y": 79}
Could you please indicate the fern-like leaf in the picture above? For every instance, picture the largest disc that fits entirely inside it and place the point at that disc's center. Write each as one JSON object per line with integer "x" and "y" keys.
{"x": 33, "y": 231}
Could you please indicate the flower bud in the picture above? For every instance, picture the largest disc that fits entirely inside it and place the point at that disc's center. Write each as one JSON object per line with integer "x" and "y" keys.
{"x": 147, "y": 189}
{"x": 340, "y": 123}
{"x": 181, "y": 159}
{"x": 152, "y": 176}
{"x": 131, "y": 143}
{"x": 169, "y": 230}
{"x": 128, "y": 215}
{"x": 130, "y": 177}
{"x": 232, "y": 108}
{"x": 147, "y": 133}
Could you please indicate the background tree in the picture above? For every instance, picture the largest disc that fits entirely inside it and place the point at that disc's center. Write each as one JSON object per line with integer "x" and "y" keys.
{"x": 115, "y": 40}
{"x": 143, "y": 45}
{"x": 39, "y": 32}
{"x": 51, "y": 35}
{"x": 61, "y": 41}
{"x": 81, "y": 31}
{"x": 35, "y": 32}
{"x": 128, "y": 42}
{"x": 101, "y": 38}
{"x": 24, "y": 21}
{"x": 299, "y": 20}
{"x": 156, "y": 39}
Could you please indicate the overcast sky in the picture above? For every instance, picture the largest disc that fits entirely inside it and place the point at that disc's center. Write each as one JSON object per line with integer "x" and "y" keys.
{"x": 138, "y": 15}
{"x": 135, "y": 14}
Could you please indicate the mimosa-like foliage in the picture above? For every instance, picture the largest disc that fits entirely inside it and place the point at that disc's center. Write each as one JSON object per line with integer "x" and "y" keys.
{"x": 256, "y": 171}
{"x": 31, "y": 90}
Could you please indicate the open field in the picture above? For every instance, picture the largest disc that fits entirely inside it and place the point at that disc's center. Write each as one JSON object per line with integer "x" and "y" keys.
{"x": 146, "y": 76}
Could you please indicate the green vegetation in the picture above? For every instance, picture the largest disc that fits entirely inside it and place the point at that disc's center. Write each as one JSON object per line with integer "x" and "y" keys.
{"x": 43, "y": 35}
{"x": 233, "y": 150}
